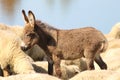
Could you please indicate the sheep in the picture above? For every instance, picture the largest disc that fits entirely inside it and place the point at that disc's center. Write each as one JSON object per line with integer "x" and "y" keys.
{"x": 34, "y": 76}
{"x": 114, "y": 43}
{"x": 115, "y": 76}
{"x": 36, "y": 53}
{"x": 93, "y": 75}
{"x": 111, "y": 57}
{"x": 11, "y": 54}
{"x": 114, "y": 33}
{"x": 16, "y": 29}
{"x": 80, "y": 63}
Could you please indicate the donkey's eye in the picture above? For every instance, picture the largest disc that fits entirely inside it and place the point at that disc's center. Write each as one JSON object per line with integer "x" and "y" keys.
{"x": 31, "y": 35}
{"x": 27, "y": 35}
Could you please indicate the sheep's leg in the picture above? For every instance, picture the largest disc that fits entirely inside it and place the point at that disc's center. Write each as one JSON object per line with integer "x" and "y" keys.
{"x": 1, "y": 72}
{"x": 57, "y": 65}
{"x": 5, "y": 72}
{"x": 100, "y": 62}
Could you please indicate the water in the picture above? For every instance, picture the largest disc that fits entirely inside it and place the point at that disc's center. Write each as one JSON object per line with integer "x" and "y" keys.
{"x": 63, "y": 14}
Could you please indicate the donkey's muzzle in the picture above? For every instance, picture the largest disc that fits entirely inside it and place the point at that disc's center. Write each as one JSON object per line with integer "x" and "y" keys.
{"x": 24, "y": 48}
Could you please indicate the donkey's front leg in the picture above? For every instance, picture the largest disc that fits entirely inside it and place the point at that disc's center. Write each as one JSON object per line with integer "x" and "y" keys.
{"x": 50, "y": 65}
{"x": 57, "y": 69}
{"x": 50, "y": 61}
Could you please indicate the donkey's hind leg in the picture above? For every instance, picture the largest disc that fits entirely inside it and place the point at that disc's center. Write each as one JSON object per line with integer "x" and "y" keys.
{"x": 89, "y": 56}
{"x": 90, "y": 64}
{"x": 100, "y": 62}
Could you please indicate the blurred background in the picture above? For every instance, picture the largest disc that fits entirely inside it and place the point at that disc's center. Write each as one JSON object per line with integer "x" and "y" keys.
{"x": 64, "y": 14}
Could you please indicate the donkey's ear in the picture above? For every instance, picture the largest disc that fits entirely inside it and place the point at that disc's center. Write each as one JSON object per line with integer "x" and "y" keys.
{"x": 31, "y": 18}
{"x": 25, "y": 17}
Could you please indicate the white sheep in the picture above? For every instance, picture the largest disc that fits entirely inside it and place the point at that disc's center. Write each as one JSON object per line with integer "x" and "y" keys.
{"x": 114, "y": 33}
{"x": 35, "y": 76}
{"x": 93, "y": 75}
{"x": 115, "y": 76}
{"x": 11, "y": 54}
{"x": 16, "y": 29}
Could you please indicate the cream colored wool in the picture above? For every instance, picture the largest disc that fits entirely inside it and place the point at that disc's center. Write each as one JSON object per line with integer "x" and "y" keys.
{"x": 93, "y": 75}
{"x": 114, "y": 33}
{"x": 35, "y": 76}
{"x": 11, "y": 54}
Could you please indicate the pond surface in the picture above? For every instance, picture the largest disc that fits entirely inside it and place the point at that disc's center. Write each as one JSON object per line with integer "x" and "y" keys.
{"x": 64, "y": 14}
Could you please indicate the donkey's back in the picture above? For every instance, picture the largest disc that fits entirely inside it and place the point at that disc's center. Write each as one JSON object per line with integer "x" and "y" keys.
{"x": 73, "y": 43}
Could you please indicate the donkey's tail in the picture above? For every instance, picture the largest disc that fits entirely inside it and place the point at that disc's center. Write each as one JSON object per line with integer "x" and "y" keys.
{"x": 104, "y": 46}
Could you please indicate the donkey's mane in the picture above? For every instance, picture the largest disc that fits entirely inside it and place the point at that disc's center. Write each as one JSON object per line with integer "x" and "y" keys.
{"x": 45, "y": 25}
{"x": 45, "y": 28}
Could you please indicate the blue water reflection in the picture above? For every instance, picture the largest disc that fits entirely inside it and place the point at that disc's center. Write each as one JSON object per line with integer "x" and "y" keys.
{"x": 64, "y": 14}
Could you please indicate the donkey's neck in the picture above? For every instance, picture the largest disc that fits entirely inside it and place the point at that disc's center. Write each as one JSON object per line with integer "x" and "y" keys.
{"x": 51, "y": 31}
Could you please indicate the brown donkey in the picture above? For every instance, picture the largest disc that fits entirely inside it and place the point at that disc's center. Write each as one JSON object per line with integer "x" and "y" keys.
{"x": 33, "y": 36}
{"x": 65, "y": 44}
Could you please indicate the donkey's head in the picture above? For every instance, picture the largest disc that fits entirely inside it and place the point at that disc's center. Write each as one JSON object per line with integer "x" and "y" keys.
{"x": 30, "y": 37}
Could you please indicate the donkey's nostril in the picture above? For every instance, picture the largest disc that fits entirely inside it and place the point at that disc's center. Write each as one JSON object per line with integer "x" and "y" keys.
{"x": 24, "y": 48}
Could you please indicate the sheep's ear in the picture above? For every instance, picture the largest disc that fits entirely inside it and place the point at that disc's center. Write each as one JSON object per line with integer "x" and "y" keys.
{"x": 31, "y": 18}
{"x": 25, "y": 17}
